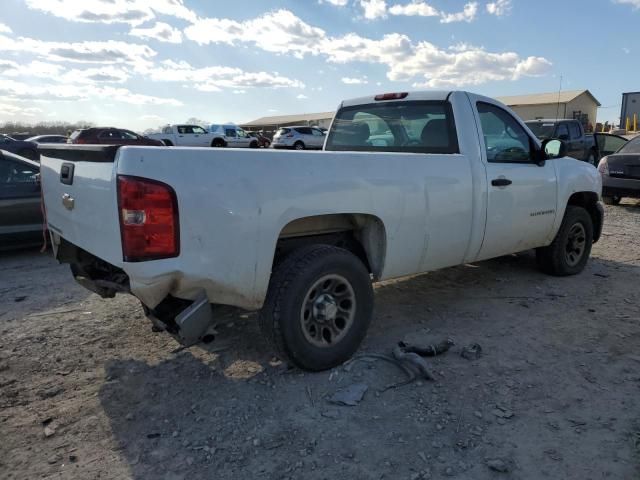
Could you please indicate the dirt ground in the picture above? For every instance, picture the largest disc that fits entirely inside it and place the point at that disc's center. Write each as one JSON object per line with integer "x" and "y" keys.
{"x": 88, "y": 391}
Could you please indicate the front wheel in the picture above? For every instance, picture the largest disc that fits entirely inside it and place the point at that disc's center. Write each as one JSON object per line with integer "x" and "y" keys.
{"x": 217, "y": 143}
{"x": 570, "y": 250}
{"x": 298, "y": 146}
{"x": 613, "y": 200}
{"x": 318, "y": 307}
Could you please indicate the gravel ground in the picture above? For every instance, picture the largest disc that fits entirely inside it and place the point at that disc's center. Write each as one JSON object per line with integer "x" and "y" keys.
{"x": 88, "y": 391}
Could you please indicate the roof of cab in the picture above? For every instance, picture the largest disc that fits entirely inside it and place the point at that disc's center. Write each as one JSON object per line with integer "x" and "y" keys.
{"x": 421, "y": 95}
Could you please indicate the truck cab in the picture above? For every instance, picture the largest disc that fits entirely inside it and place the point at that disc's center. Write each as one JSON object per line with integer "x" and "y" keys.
{"x": 580, "y": 145}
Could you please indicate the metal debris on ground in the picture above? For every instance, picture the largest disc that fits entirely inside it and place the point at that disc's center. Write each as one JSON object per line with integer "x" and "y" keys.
{"x": 349, "y": 396}
{"x": 471, "y": 352}
{"x": 428, "y": 350}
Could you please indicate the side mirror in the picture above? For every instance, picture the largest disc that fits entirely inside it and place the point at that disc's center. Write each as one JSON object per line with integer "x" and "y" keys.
{"x": 554, "y": 148}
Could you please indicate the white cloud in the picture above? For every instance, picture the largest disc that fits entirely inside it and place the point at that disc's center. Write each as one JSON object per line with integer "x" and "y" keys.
{"x": 163, "y": 32}
{"x": 69, "y": 92}
{"x": 500, "y": 8}
{"x": 109, "y": 52}
{"x": 468, "y": 14}
{"x": 11, "y": 110}
{"x": 215, "y": 78}
{"x": 355, "y": 81}
{"x": 373, "y": 9}
{"x": 279, "y": 32}
{"x": 337, "y": 3}
{"x": 416, "y": 8}
{"x": 635, "y": 4}
{"x": 301, "y": 96}
{"x": 133, "y": 12}
{"x": 4, "y": 28}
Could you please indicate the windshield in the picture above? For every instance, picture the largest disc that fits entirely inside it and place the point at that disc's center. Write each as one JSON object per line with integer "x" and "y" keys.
{"x": 632, "y": 146}
{"x": 542, "y": 130}
{"x": 417, "y": 127}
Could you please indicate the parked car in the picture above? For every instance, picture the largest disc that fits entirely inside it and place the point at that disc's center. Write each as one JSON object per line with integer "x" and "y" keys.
{"x": 620, "y": 169}
{"x": 234, "y": 136}
{"x": 300, "y": 236}
{"x": 263, "y": 141}
{"x": 48, "y": 139}
{"x": 23, "y": 148}
{"x": 299, "y": 138}
{"x": 111, "y": 136}
{"x": 20, "y": 206}
{"x": 580, "y": 145}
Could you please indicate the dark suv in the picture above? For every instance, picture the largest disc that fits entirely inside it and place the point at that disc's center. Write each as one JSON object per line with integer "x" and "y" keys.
{"x": 111, "y": 136}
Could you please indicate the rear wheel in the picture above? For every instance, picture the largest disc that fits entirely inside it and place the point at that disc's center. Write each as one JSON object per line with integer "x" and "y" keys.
{"x": 318, "y": 307}
{"x": 570, "y": 250}
{"x": 29, "y": 153}
{"x": 217, "y": 143}
{"x": 613, "y": 200}
{"x": 298, "y": 146}
{"x": 253, "y": 145}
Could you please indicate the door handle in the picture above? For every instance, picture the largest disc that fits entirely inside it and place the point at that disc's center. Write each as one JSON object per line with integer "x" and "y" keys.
{"x": 501, "y": 182}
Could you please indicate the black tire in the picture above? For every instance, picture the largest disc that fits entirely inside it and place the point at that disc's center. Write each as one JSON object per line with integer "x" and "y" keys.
{"x": 253, "y": 145}
{"x": 613, "y": 200}
{"x": 569, "y": 252}
{"x": 29, "y": 153}
{"x": 168, "y": 143}
{"x": 291, "y": 329}
{"x": 218, "y": 143}
{"x": 298, "y": 146}
{"x": 267, "y": 144}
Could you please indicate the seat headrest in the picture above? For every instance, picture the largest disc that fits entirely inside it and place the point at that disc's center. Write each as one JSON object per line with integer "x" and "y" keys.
{"x": 435, "y": 134}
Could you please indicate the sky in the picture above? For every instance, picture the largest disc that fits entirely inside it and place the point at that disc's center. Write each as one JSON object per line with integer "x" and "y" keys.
{"x": 140, "y": 64}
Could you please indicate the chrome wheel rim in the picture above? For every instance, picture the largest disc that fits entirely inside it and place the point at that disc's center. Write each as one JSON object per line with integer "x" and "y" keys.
{"x": 299, "y": 146}
{"x": 576, "y": 244}
{"x": 328, "y": 311}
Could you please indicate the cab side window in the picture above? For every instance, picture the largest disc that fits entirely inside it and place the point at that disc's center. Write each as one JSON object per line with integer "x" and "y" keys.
{"x": 504, "y": 138}
{"x": 562, "y": 132}
{"x": 575, "y": 131}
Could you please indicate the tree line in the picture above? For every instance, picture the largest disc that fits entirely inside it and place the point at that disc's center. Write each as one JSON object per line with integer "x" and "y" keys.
{"x": 41, "y": 128}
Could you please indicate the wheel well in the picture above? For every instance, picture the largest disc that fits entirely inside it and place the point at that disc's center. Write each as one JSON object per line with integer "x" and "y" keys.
{"x": 361, "y": 234}
{"x": 589, "y": 201}
{"x": 167, "y": 142}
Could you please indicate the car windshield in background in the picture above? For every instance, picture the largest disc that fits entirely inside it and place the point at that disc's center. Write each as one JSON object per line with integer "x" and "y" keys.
{"x": 542, "y": 130}
{"x": 416, "y": 127}
{"x": 632, "y": 146}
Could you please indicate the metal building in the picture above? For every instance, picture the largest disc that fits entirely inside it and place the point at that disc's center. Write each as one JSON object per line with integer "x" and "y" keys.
{"x": 630, "y": 107}
{"x": 578, "y": 104}
{"x": 269, "y": 125}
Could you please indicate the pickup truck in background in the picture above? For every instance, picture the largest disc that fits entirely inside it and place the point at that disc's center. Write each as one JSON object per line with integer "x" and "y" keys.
{"x": 189, "y": 136}
{"x": 407, "y": 183}
{"x": 580, "y": 145}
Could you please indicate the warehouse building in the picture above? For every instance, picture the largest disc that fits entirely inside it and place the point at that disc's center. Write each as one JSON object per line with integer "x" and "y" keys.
{"x": 578, "y": 104}
{"x": 269, "y": 125}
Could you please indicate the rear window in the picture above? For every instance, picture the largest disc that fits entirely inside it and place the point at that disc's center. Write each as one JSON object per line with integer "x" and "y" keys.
{"x": 413, "y": 127}
{"x": 283, "y": 131}
{"x": 75, "y": 134}
{"x": 542, "y": 130}
{"x": 632, "y": 146}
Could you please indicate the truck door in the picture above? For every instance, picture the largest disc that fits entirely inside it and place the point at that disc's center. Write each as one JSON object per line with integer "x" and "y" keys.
{"x": 201, "y": 137}
{"x": 231, "y": 136}
{"x": 521, "y": 203}
{"x": 575, "y": 144}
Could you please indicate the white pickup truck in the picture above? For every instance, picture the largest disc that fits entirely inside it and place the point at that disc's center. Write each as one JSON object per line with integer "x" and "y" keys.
{"x": 407, "y": 183}
{"x": 189, "y": 136}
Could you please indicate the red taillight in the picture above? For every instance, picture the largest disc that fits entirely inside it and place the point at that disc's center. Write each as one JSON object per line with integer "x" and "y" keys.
{"x": 391, "y": 96}
{"x": 148, "y": 219}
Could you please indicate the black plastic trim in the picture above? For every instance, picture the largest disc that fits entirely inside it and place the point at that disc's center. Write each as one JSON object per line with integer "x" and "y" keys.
{"x": 80, "y": 153}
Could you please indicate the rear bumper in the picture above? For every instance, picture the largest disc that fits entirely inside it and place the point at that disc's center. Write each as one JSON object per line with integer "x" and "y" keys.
{"x": 620, "y": 187}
